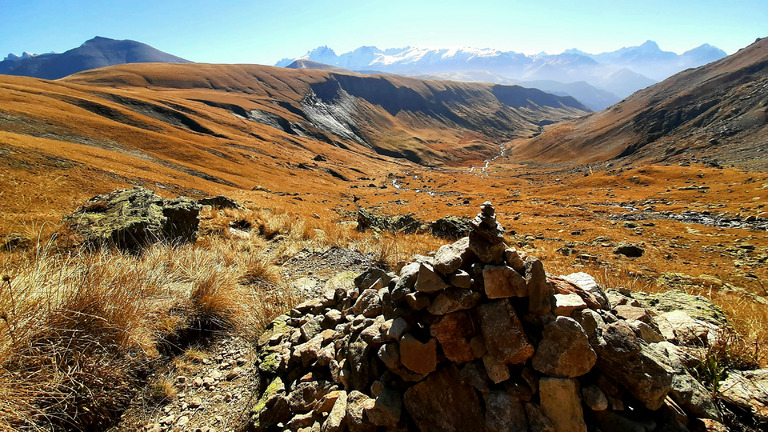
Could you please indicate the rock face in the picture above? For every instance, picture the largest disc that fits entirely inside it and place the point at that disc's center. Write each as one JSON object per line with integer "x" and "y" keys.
{"x": 477, "y": 338}
{"x": 132, "y": 218}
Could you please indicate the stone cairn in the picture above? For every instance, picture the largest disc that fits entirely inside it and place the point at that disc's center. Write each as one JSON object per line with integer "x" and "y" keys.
{"x": 476, "y": 338}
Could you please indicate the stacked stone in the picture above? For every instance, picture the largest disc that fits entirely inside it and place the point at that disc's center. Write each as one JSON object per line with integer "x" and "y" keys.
{"x": 476, "y": 338}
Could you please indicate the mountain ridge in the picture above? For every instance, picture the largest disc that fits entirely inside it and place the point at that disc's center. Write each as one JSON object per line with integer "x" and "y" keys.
{"x": 92, "y": 54}
{"x": 716, "y": 113}
{"x": 621, "y": 72}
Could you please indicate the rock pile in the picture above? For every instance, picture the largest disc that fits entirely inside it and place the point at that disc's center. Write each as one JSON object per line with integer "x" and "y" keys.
{"x": 478, "y": 337}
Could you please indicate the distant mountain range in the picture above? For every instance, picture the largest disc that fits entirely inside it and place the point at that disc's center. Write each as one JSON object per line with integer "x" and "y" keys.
{"x": 95, "y": 53}
{"x": 597, "y": 80}
{"x": 712, "y": 114}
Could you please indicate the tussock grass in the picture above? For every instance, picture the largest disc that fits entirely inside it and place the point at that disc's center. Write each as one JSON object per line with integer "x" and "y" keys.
{"x": 79, "y": 331}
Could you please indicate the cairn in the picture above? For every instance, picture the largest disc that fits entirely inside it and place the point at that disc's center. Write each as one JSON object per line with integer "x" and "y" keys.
{"x": 476, "y": 338}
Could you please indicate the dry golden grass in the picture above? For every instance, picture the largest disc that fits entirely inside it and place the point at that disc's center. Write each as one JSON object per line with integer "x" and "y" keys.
{"x": 78, "y": 328}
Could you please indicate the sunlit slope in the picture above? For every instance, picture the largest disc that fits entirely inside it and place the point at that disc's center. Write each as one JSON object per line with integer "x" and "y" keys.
{"x": 202, "y": 129}
{"x": 714, "y": 112}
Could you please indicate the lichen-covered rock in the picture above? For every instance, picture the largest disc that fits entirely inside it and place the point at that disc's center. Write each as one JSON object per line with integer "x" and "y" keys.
{"x": 133, "y": 218}
{"x": 624, "y": 357}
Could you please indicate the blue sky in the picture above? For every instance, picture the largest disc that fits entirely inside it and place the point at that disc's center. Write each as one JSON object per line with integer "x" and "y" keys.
{"x": 263, "y": 32}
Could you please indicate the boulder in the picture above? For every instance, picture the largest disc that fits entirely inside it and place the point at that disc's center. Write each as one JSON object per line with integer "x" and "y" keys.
{"x": 221, "y": 202}
{"x": 450, "y": 227}
{"x": 629, "y": 250}
{"x": 629, "y": 361}
{"x": 133, "y": 218}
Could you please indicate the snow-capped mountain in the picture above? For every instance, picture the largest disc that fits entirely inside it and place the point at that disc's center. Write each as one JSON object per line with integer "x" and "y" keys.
{"x": 620, "y": 72}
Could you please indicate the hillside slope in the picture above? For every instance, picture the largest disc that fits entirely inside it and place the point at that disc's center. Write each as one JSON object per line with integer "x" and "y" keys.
{"x": 199, "y": 129}
{"x": 714, "y": 112}
{"x": 95, "y": 53}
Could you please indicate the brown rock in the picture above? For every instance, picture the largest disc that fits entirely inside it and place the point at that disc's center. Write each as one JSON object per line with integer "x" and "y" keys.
{"x": 503, "y": 281}
{"x": 447, "y": 259}
{"x": 454, "y": 299}
{"x": 537, "y": 421}
{"x": 561, "y": 404}
{"x": 497, "y": 370}
{"x": 428, "y": 280}
{"x": 335, "y": 420}
{"x": 564, "y": 287}
{"x": 444, "y": 403}
{"x": 587, "y": 284}
{"x": 460, "y": 279}
{"x": 504, "y": 336}
{"x": 515, "y": 260}
{"x": 594, "y": 398}
{"x": 486, "y": 240}
{"x": 564, "y": 350}
{"x": 386, "y": 409}
{"x": 454, "y": 332}
{"x": 567, "y": 304}
{"x": 417, "y": 300}
{"x": 539, "y": 290}
{"x": 357, "y": 404}
{"x": 417, "y": 356}
{"x": 628, "y": 312}
{"x": 368, "y": 304}
{"x": 628, "y": 360}
{"x": 504, "y": 413}
{"x": 474, "y": 374}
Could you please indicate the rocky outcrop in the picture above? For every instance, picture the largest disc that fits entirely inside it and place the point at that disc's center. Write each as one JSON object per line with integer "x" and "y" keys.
{"x": 132, "y": 218}
{"x": 477, "y": 338}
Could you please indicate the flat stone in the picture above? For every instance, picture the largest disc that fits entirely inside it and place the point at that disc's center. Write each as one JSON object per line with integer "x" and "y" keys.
{"x": 454, "y": 299}
{"x": 428, "y": 280}
{"x": 417, "y": 356}
{"x": 561, "y": 404}
{"x": 688, "y": 331}
{"x": 564, "y": 350}
{"x": 454, "y": 332}
{"x": 443, "y": 402}
{"x": 587, "y": 283}
{"x": 503, "y": 281}
{"x": 628, "y": 312}
{"x": 497, "y": 370}
{"x": 566, "y": 304}
{"x": 504, "y": 336}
